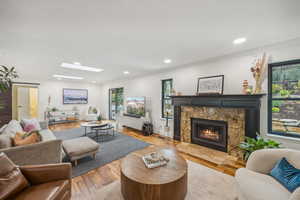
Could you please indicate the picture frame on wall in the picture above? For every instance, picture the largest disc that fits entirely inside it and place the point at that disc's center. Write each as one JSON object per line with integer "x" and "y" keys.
{"x": 75, "y": 96}
{"x": 210, "y": 85}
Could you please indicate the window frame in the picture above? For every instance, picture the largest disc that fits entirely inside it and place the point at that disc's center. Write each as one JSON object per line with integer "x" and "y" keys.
{"x": 271, "y": 99}
{"x": 163, "y": 98}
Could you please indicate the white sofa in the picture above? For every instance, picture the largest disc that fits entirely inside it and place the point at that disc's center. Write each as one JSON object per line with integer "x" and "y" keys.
{"x": 254, "y": 183}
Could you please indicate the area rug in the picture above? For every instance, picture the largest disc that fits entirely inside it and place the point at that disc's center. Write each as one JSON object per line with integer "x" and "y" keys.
{"x": 111, "y": 148}
{"x": 203, "y": 184}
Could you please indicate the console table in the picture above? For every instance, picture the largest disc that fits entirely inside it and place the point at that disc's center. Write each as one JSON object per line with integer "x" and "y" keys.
{"x": 62, "y": 116}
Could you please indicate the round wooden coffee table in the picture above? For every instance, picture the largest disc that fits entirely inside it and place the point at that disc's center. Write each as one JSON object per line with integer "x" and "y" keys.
{"x": 162, "y": 183}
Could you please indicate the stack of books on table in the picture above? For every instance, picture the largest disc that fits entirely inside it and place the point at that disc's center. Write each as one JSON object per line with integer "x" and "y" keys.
{"x": 154, "y": 159}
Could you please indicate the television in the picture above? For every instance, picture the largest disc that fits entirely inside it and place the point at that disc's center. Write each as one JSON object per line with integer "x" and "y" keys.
{"x": 75, "y": 96}
{"x": 135, "y": 106}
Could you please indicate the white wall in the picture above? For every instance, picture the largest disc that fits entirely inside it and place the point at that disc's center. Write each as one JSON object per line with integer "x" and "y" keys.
{"x": 55, "y": 90}
{"x": 236, "y": 68}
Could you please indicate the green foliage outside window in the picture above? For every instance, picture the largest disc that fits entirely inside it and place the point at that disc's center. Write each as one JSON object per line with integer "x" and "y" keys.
{"x": 284, "y": 97}
{"x": 116, "y": 102}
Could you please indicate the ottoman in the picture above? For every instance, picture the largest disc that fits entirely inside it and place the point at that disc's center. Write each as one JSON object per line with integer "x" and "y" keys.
{"x": 80, "y": 147}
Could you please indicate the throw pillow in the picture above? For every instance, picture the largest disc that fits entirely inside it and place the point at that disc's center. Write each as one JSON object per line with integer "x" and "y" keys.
{"x": 29, "y": 128}
{"x": 21, "y": 139}
{"x": 286, "y": 174}
{"x": 31, "y": 124}
{"x": 12, "y": 128}
{"x": 12, "y": 180}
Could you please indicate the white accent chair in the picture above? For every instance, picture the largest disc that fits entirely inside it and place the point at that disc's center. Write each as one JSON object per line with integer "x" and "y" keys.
{"x": 254, "y": 183}
{"x": 91, "y": 115}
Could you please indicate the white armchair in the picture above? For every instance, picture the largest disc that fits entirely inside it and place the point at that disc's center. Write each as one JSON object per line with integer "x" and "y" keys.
{"x": 254, "y": 183}
{"x": 92, "y": 114}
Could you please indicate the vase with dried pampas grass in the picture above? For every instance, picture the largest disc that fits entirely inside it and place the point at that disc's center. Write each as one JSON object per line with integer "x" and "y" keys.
{"x": 259, "y": 70}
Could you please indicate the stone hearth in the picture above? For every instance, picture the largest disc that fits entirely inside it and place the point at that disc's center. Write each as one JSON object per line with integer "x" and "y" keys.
{"x": 235, "y": 117}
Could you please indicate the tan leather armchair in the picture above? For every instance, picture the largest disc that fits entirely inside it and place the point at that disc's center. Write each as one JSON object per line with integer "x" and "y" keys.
{"x": 41, "y": 182}
{"x": 254, "y": 183}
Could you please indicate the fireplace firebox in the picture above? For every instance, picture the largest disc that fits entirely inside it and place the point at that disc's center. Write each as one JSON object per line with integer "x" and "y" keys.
{"x": 209, "y": 133}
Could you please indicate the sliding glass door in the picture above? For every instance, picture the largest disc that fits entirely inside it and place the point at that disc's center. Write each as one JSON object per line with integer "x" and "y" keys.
{"x": 115, "y": 102}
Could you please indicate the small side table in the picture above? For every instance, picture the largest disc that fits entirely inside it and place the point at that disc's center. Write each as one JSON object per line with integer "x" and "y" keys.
{"x": 147, "y": 129}
{"x": 168, "y": 182}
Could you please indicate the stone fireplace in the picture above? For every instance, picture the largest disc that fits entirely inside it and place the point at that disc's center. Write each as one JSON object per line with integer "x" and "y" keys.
{"x": 209, "y": 133}
{"x": 219, "y": 122}
{"x": 228, "y": 122}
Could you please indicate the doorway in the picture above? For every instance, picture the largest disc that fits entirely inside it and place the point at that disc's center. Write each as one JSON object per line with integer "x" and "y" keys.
{"x": 25, "y": 102}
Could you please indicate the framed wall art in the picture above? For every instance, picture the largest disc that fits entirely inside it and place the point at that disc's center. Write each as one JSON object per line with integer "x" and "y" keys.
{"x": 75, "y": 96}
{"x": 210, "y": 85}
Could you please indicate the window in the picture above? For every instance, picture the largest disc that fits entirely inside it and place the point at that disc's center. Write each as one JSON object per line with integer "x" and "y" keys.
{"x": 166, "y": 103}
{"x": 115, "y": 102}
{"x": 284, "y": 98}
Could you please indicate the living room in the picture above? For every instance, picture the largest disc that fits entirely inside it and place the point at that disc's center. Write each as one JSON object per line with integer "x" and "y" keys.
{"x": 150, "y": 100}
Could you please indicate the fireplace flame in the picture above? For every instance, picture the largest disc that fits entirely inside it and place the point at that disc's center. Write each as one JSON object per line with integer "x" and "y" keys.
{"x": 210, "y": 134}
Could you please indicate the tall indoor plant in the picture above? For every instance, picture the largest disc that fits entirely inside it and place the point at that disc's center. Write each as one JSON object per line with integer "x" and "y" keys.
{"x": 7, "y": 74}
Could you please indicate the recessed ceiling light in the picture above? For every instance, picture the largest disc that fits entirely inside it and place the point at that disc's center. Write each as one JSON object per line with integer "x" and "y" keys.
{"x": 126, "y": 72}
{"x": 167, "y": 60}
{"x": 67, "y": 77}
{"x": 78, "y": 66}
{"x": 239, "y": 40}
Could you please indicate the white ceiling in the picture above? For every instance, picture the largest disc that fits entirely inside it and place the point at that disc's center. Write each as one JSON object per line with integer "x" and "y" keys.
{"x": 36, "y": 36}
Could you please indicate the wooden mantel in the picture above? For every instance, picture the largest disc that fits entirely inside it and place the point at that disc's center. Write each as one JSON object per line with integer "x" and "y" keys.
{"x": 251, "y": 104}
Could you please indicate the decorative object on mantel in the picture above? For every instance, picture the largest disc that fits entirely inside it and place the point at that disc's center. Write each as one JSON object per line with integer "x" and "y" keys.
{"x": 259, "y": 70}
{"x": 154, "y": 159}
{"x": 210, "y": 85}
{"x": 245, "y": 86}
{"x": 247, "y": 89}
{"x": 251, "y": 144}
{"x": 250, "y": 90}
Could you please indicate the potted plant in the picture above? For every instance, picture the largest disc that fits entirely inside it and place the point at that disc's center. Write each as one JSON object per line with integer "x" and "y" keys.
{"x": 99, "y": 118}
{"x": 7, "y": 74}
{"x": 251, "y": 144}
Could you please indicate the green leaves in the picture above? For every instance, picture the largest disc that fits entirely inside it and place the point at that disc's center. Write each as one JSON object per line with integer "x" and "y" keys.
{"x": 250, "y": 145}
{"x": 6, "y": 77}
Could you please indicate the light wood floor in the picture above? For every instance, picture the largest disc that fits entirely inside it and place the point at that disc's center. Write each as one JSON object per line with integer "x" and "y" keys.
{"x": 83, "y": 187}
